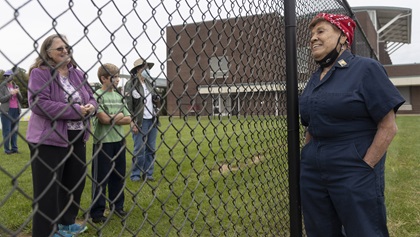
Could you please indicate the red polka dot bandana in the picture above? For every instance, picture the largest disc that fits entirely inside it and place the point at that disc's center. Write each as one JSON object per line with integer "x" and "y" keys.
{"x": 343, "y": 22}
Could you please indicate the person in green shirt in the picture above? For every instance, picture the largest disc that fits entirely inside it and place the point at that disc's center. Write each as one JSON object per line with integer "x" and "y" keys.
{"x": 109, "y": 147}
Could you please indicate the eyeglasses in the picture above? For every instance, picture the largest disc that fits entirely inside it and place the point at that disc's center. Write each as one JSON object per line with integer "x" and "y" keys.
{"x": 61, "y": 49}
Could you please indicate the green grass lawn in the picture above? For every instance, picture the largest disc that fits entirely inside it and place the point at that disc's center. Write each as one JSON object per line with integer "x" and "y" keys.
{"x": 402, "y": 179}
{"x": 212, "y": 176}
{"x": 215, "y": 177}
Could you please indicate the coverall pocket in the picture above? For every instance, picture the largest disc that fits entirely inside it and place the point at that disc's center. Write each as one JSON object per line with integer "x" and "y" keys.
{"x": 304, "y": 149}
{"x": 360, "y": 152}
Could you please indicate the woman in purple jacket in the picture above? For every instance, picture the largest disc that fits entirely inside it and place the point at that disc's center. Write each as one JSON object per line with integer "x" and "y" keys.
{"x": 61, "y": 102}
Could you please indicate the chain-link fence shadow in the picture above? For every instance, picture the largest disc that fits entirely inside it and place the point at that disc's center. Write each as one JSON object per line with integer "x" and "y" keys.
{"x": 219, "y": 165}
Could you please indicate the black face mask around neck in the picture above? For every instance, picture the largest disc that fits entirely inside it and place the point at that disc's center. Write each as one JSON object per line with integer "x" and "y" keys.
{"x": 330, "y": 58}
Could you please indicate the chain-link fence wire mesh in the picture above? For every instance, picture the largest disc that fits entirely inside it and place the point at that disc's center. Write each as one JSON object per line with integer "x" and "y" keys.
{"x": 220, "y": 166}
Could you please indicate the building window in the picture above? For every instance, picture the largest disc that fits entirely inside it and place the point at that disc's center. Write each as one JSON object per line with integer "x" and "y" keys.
{"x": 216, "y": 105}
{"x": 219, "y": 67}
{"x": 405, "y": 92}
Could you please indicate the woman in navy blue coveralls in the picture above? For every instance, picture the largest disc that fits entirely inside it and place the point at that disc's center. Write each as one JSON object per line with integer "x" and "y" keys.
{"x": 348, "y": 108}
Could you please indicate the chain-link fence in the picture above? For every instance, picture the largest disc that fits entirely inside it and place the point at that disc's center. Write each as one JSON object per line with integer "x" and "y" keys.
{"x": 221, "y": 152}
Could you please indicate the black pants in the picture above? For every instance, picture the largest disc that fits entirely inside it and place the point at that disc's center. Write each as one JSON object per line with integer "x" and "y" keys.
{"x": 108, "y": 169}
{"x": 58, "y": 175}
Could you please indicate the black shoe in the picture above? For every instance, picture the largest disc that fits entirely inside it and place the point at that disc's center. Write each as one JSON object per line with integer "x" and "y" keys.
{"x": 100, "y": 219}
{"x": 121, "y": 213}
{"x": 150, "y": 178}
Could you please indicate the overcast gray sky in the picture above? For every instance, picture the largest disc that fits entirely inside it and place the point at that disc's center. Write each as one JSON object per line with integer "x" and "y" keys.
{"x": 91, "y": 35}
{"x": 134, "y": 30}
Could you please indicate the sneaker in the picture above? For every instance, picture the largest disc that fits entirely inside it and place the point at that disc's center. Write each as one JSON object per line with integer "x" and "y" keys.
{"x": 101, "y": 219}
{"x": 62, "y": 233}
{"x": 72, "y": 229}
{"x": 135, "y": 179}
{"x": 150, "y": 178}
{"x": 121, "y": 213}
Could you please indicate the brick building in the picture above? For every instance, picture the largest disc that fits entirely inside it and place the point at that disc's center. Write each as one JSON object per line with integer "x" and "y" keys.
{"x": 236, "y": 66}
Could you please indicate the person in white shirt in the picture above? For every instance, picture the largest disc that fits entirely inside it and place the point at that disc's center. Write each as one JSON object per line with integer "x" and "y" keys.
{"x": 143, "y": 103}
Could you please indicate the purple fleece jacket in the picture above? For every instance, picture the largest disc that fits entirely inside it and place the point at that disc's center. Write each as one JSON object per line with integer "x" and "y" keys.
{"x": 50, "y": 111}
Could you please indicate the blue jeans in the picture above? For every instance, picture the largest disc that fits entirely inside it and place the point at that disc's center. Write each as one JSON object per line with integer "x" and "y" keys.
{"x": 10, "y": 127}
{"x": 144, "y": 149}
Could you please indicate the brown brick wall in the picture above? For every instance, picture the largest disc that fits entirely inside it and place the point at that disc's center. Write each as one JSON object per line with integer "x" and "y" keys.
{"x": 403, "y": 70}
{"x": 368, "y": 29}
{"x": 253, "y": 46}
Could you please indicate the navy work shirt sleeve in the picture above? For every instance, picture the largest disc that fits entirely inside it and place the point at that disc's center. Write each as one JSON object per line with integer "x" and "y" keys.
{"x": 380, "y": 95}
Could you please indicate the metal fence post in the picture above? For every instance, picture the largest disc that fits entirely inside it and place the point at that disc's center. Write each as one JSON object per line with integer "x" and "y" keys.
{"x": 292, "y": 119}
